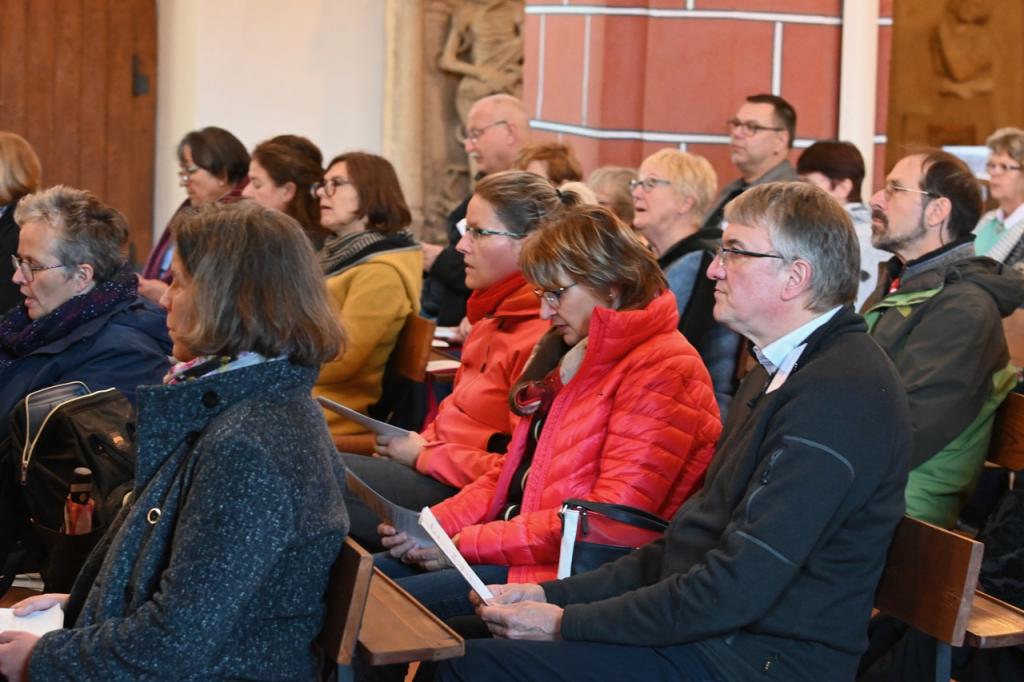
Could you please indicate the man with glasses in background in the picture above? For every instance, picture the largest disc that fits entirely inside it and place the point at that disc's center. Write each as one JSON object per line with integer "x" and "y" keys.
{"x": 770, "y": 570}
{"x": 938, "y": 313}
{"x": 760, "y": 137}
{"x": 496, "y": 129}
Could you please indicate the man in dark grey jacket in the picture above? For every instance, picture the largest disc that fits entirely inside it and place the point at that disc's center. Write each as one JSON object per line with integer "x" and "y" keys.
{"x": 769, "y": 572}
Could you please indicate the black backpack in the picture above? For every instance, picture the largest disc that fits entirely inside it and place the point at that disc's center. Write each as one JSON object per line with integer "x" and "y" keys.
{"x": 53, "y": 431}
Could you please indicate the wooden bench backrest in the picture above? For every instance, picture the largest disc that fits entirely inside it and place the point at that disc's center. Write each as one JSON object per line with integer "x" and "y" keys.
{"x": 1007, "y": 448}
{"x": 347, "y": 591}
{"x": 929, "y": 579}
{"x": 1013, "y": 329}
{"x": 409, "y": 358}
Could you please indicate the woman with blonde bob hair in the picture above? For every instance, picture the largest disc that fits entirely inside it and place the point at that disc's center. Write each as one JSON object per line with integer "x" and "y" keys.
{"x": 237, "y": 513}
{"x": 20, "y": 174}
{"x": 671, "y": 197}
{"x": 617, "y": 408}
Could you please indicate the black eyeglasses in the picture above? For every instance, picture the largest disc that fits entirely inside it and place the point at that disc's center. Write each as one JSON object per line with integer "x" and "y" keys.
{"x": 749, "y": 127}
{"x": 553, "y": 297}
{"x": 477, "y": 232}
{"x": 725, "y": 254}
{"x": 28, "y": 270}
{"x": 329, "y": 186}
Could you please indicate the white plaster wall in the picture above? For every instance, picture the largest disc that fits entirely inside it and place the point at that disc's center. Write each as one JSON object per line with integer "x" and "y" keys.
{"x": 260, "y": 68}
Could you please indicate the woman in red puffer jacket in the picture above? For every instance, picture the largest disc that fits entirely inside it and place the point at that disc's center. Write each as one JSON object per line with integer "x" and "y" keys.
{"x": 621, "y": 411}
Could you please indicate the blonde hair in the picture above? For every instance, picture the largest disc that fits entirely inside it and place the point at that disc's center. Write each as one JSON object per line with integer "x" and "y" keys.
{"x": 614, "y": 181}
{"x": 592, "y": 247}
{"x": 258, "y": 285}
{"x": 20, "y": 171}
{"x": 1009, "y": 141}
{"x": 690, "y": 175}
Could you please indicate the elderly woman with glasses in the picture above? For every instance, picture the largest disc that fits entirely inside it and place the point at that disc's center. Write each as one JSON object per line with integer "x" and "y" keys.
{"x": 671, "y": 198}
{"x": 473, "y": 425}
{"x": 214, "y": 168}
{"x": 617, "y": 408}
{"x": 81, "y": 318}
{"x": 20, "y": 174}
{"x": 374, "y": 271}
{"x": 218, "y": 567}
{"x": 998, "y": 234}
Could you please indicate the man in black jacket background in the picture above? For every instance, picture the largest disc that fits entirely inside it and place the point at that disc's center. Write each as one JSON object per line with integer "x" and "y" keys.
{"x": 769, "y": 572}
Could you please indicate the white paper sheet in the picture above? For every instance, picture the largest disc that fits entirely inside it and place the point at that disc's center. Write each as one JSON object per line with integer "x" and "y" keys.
{"x": 404, "y": 520}
{"x": 37, "y": 622}
{"x": 438, "y": 366}
{"x": 434, "y": 529}
{"x": 445, "y": 332}
{"x": 374, "y": 425}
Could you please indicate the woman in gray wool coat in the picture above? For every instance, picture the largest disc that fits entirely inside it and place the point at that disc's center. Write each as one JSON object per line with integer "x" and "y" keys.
{"x": 218, "y": 566}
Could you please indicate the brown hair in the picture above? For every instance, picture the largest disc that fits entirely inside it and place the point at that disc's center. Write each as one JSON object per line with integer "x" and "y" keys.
{"x": 947, "y": 176}
{"x": 593, "y": 248}
{"x": 294, "y": 159}
{"x": 258, "y": 285}
{"x": 836, "y": 161}
{"x": 559, "y": 159}
{"x": 381, "y": 200}
{"x": 88, "y": 231}
{"x": 20, "y": 171}
{"x": 521, "y": 200}
{"x": 216, "y": 151}
{"x": 784, "y": 113}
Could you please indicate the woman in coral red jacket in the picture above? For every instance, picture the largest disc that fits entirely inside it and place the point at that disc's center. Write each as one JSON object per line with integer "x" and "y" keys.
{"x": 474, "y": 424}
{"x": 622, "y": 411}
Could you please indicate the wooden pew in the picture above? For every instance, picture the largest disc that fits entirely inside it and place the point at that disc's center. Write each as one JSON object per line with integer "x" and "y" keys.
{"x": 347, "y": 589}
{"x": 1007, "y": 447}
{"x": 399, "y": 629}
{"x": 928, "y": 582}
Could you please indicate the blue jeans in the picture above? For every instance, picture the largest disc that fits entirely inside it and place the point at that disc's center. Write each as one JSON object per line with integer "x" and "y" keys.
{"x": 444, "y": 592}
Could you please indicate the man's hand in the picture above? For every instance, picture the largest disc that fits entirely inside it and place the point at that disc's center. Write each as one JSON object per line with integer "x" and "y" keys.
{"x": 403, "y": 450}
{"x": 511, "y": 594}
{"x": 430, "y": 254}
{"x": 15, "y": 650}
{"x": 524, "y": 620}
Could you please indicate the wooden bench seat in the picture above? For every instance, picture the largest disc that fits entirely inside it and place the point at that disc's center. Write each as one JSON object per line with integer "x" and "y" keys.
{"x": 994, "y": 623}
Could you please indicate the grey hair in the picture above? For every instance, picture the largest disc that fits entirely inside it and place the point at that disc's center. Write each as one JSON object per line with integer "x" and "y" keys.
{"x": 1010, "y": 141}
{"x": 88, "y": 231}
{"x": 804, "y": 222}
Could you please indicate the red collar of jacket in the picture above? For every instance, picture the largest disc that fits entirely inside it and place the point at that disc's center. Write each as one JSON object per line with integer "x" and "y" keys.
{"x": 511, "y": 297}
{"x": 614, "y": 333}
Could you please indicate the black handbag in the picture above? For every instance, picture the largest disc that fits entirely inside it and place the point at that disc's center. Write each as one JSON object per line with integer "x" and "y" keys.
{"x": 53, "y": 431}
{"x": 585, "y": 555}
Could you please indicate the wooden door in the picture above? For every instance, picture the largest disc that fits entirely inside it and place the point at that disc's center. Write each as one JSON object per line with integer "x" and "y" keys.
{"x": 78, "y": 81}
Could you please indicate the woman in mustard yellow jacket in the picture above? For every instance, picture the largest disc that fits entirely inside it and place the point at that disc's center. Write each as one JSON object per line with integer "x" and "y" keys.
{"x": 374, "y": 271}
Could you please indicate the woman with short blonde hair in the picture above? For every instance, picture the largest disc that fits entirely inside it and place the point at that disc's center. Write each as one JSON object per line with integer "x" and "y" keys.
{"x": 671, "y": 197}
{"x": 1000, "y": 232}
{"x": 20, "y": 174}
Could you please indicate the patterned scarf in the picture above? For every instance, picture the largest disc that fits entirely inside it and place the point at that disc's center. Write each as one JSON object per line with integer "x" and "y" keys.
{"x": 205, "y": 365}
{"x": 342, "y": 251}
{"x": 20, "y": 335}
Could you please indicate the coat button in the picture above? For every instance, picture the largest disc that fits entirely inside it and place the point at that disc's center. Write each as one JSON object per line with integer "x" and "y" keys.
{"x": 211, "y": 399}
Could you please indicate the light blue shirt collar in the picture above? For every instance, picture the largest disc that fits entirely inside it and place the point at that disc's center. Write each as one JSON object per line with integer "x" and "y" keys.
{"x": 772, "y": 355}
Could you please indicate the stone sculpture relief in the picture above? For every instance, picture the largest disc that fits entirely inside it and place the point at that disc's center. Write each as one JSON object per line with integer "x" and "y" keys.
{"x": 952, "y": 97}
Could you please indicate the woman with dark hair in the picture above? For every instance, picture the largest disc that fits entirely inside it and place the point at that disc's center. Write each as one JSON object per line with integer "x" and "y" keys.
{"x": 20, "y": 174}
{"x": 473, "y": 425}
{"x": 374, "y": 271}
{"x": 218, "y": 566}
{"x": 282, "y": 173}
{"x": 214, "y": 168}
{"x": 617, "y": 408}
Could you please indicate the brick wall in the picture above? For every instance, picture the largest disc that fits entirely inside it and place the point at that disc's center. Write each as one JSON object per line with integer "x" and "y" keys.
{"x": 619, "y": 79}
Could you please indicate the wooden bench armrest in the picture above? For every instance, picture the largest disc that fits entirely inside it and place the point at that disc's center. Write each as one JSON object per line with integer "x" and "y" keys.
{"x": 399, "y": 629}
{"x": 994, "y": 623}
